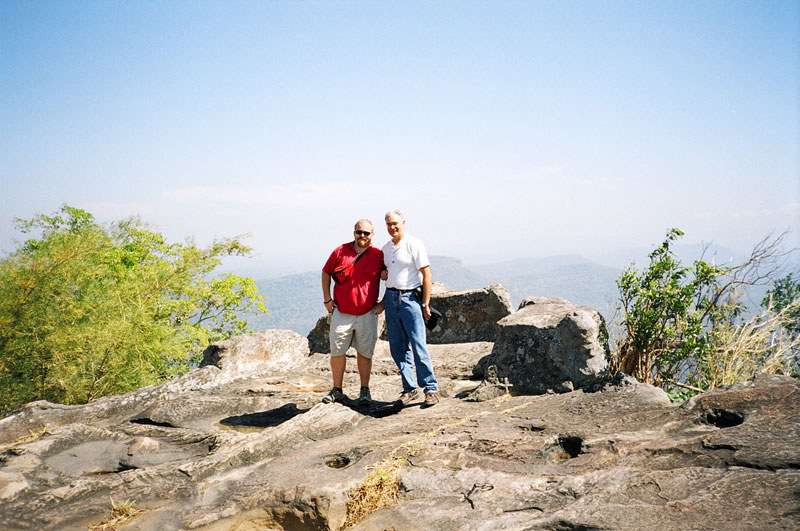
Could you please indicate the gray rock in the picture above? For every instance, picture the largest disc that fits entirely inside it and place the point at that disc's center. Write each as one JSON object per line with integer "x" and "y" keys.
{"x": 549, "y": 345}
{"x": 551, "y": 301}
{"x": 319, "y": 336}
{"x": 267, "y": 351}
{"x": 469, "y": 316}
{"x": 214, "y": 451}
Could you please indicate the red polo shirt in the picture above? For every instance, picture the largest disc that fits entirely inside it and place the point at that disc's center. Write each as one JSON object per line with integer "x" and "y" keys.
{"x": 359, "y": 293}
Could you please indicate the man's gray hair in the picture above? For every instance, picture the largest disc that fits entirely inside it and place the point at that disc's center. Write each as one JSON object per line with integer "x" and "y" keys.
{"x": 394, "y": 213}
{"x": 365, "y": 220}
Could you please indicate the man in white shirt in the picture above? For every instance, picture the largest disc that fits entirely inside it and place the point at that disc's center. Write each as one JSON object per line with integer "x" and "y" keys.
{"x": 407, "y": 306}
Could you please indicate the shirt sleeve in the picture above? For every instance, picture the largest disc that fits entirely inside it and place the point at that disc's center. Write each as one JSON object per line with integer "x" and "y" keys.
{"x": 420, "y": 255}
{"x": 330, "y": 265}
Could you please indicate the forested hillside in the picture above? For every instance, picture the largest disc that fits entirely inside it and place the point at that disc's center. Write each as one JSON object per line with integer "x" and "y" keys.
{"x": 295, "y": 301}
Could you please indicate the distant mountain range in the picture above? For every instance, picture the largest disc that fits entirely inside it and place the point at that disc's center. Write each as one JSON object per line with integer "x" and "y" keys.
{"x": 295, "y": 301}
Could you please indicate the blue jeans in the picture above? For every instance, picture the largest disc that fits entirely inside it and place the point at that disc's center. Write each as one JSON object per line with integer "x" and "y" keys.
{"x": 406, "y": 329}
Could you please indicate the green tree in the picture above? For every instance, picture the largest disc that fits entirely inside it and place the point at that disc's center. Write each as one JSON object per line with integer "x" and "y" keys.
{"x": 662, "y": 309}
{"x": 682, "y": 325}
{"x": 785, "y": 296}
{"x": 88, "y": 310}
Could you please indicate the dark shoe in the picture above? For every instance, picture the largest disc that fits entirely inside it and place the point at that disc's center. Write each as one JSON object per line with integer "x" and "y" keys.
{"x": 364, "y": 400}
{"x": 335, "y": 395}
{"x": 431, "y": 399}
{"x": 408, "y": 396}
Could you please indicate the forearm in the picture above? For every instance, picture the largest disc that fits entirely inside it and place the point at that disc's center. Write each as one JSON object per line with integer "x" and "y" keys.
{"x": 326, "y": 286}
{"x": 426, "y": 285}
{"x": 327, "y": 299}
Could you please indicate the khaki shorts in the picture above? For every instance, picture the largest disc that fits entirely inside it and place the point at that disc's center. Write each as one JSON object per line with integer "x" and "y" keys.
{"x": 359, "y": 331}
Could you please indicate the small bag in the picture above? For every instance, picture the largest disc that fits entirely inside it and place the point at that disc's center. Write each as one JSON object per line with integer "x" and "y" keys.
{"x": 343, "y": 272}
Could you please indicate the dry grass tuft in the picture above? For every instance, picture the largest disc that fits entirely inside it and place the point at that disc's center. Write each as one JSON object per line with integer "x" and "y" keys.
{"x": 382, "y": 487}
{"x": 119, "y": 515}
{"x": 378, "y": 490}
{"x": 762, "y": 344}
{"x": 32, "y": 436}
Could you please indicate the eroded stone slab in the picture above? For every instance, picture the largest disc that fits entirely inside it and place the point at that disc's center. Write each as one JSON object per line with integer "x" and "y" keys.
{"x": 598, "y": 459}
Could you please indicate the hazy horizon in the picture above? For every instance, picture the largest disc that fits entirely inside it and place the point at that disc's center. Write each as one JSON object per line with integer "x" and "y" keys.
{"x": 619, "y": 259}
{"x": 502, "y": 130}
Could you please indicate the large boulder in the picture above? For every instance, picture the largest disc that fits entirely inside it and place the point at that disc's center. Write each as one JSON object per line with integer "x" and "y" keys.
{"x": 318, "y": 337}
{"x": 549, "y": 344}
{"x": 469, "y": 316}
{"x": 268, "y": 351}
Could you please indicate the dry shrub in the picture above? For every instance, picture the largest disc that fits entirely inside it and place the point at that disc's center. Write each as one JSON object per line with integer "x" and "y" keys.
{"x": 119, "y": 515}
{"x": 762, "y": 344}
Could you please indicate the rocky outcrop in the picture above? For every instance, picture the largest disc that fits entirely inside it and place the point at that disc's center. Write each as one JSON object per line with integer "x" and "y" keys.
{"x": 469, "y": 316}
{"x": 318, "y": 337}
{"x": 222, "y": 449}
{"x": 547, "y": 345}
{"x": 262, "y": 352}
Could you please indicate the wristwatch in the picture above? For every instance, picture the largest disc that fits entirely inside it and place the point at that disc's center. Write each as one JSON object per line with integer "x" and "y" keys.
{"x": 424, "y": 305}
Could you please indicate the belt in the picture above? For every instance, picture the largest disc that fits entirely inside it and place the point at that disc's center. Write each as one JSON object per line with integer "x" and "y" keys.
{"x": 403, "y": 290}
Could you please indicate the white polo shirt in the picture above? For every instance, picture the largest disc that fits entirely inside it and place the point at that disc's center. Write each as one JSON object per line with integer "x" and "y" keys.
{"x": 403, "y": 262}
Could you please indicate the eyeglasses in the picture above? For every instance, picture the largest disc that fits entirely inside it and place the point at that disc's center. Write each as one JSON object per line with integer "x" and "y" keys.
{"x": 362, "y": 233}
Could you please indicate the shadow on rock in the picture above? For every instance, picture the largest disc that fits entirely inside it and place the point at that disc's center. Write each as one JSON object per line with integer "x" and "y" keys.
{"x": 376, "y": 410}
{"x": 264, "y": 419}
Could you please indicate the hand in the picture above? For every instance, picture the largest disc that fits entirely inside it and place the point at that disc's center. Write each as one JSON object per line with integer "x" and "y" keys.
{"x": 384, "y": 274}
{"x": 426, "y": 313}
{"x": 329, "y": 306}
{"x": 378, "y": 308}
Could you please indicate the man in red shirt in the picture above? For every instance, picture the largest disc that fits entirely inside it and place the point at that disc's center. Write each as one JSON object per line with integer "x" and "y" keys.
{"x": 353, "y": 307}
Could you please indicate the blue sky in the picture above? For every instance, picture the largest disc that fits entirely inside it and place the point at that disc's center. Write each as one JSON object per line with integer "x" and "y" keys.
{"x": 502, "y": 129}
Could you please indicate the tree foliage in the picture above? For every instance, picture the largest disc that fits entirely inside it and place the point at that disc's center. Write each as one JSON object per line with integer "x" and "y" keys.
{"x": 88, "y": 310}
{"x": 682, "y": 326}
{"x": 784, "y": 296}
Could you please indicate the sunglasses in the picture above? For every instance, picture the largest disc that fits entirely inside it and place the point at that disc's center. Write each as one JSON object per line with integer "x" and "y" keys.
{"x": 362, "y": 233}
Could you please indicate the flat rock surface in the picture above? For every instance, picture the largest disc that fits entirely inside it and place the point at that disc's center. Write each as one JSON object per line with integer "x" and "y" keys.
{"x": 211, "y": 451}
